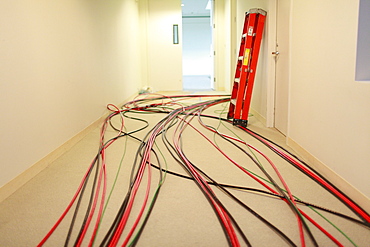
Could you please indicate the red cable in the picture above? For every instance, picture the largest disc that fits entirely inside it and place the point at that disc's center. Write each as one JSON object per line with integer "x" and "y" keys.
{"x": 205, "y": 187}
{"x": 102, "y": 177}
{"x": 117, "y": 111}
{"x": 222, "y": 214}
{"x": 285, "y": 185}
{"x": 200, "y": 180}
{"x": 123, "y": 221}
{"x": 347, "y": 201}
{"x": 141, "y": 210}
{"x": 67, "y": 209}
{"x": 299, "y": 221}
{"x": 92, "y": 209}
{"x": 258, "y": 180}
{"x": 100, "y": 209}
{"x": 144, "y": 162}
{"x": 321, "y": 228}
{"x": 306, "y": 216}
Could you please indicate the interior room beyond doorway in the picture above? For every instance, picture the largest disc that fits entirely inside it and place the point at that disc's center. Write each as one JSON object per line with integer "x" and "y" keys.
{"x": 197, "y": 45}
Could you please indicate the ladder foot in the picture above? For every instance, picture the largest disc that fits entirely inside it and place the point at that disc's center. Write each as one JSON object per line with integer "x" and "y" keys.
{"x": 240, "y": 122}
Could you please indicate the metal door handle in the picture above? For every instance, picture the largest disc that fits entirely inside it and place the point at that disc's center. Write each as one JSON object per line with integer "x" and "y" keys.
{"x": 275, "y": 53}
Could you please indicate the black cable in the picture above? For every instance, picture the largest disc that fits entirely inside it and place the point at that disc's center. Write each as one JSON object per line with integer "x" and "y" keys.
{"x": 317, "y": 173}
{"x": 96, "y": 164}
{"x": 245, "y": 206}
{"x": 182, "y": 162}
{"x": 272, "y": 142}
{"x": 79, "y": 203}
{"x": 268, "y": 193}
{"x": 91, "y": 199}
{"x": 96, "y": 174}
{"x": 272, "y": 181}
{"x": 151, "y": 206}
{"x": 166, "y": 142}
{"x": 247, "y": 130}
{"x": 109, "y": 235}
{"x": 163, "y": 126}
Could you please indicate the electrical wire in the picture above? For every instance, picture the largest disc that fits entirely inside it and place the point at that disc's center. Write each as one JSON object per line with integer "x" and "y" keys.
{"x": 176, "y": 122}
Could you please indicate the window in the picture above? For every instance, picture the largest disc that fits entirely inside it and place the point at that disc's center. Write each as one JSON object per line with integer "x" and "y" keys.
{"x": 363, "y": 43}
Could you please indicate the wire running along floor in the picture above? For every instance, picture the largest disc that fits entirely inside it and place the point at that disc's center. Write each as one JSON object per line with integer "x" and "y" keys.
{"x": 172, "y": 171}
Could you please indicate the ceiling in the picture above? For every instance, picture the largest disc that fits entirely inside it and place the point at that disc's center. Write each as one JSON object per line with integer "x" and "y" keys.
{"x": 195, "y": 8}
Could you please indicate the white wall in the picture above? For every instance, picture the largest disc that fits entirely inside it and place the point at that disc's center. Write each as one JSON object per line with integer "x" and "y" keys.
{"x": 329, "y": 110}
{"x": 61, "y": 62}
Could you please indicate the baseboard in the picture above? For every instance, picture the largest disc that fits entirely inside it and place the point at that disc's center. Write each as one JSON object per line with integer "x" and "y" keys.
{"x": 36, "y": 168}
{"x": 358, "y": 197}
{"x": 16, "y": 183}
{"x": 258, "y": 116}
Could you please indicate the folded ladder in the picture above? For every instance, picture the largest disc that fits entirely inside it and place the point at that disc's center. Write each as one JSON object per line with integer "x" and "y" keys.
{"x": 246, "y": 66}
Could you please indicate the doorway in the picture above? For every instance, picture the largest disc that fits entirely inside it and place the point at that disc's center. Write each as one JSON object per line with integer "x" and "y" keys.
{"x": 197, "y": 45}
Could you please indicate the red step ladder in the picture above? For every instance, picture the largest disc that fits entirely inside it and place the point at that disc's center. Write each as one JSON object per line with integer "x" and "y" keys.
{"x": 246, "y": 66}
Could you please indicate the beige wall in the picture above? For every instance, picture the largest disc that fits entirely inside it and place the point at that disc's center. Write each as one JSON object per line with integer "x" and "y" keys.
{"x": 61, "y": 62}
{"x": 329, "y": 110}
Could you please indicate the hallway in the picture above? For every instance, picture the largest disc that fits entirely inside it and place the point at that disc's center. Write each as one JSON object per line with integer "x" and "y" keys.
{"x": 181, "y": 216}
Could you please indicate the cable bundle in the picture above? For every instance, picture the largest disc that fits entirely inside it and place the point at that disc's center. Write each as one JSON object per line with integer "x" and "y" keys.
{"x": 178, "y": 117}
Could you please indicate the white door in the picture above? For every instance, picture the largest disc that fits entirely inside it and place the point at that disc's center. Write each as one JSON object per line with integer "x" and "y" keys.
{"x": 282, "y": 66}
{"x": 164, "y": 45}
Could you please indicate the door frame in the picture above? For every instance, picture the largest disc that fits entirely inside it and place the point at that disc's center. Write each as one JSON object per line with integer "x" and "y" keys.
{"x": 271, "y": 70}
{"x": 282, "y": 79}
{"x": 272, "y": 80}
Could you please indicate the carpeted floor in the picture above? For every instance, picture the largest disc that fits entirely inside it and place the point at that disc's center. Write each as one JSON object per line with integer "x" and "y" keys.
{"x": 181, "y": 216}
